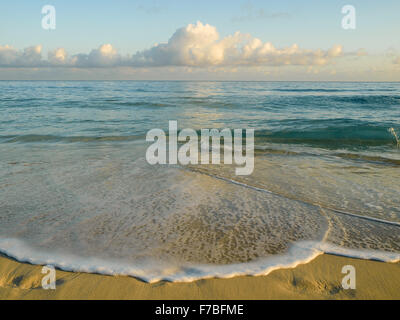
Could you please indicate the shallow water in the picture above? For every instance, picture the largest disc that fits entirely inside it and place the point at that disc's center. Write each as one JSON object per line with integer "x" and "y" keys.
{"x": 77, "y": 192}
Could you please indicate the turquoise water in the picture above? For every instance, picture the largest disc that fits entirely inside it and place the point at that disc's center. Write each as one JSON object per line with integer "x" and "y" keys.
{"x": 77, "y": 192}
{"x": 325, "y": 114}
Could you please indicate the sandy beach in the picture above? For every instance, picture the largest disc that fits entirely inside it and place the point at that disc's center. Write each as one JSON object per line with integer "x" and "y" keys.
{"x": 319, "y": 279}
{"x": 202, "y": 151}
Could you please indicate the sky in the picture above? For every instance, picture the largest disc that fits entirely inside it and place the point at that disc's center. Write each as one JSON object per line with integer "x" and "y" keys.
{"x": 200, "y": 40}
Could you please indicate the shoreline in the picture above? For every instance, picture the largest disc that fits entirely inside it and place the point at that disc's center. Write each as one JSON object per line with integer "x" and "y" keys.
{"x": 318, "y": 279}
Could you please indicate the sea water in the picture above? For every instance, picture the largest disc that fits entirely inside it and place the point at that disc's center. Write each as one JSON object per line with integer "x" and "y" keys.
{"x": 77, "y": 192}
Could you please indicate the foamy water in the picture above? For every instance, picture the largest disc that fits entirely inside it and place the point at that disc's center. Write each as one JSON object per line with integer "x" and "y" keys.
{"x": 76, "y": 191}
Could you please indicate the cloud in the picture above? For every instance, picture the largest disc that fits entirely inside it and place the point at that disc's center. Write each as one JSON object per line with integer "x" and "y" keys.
{"x": 104, "y": 56}
{"x": 196, "y": 45}
{"x": 29, "y": 57}
{"x": 58, "y": 56}
{"x": 199, "y": 45}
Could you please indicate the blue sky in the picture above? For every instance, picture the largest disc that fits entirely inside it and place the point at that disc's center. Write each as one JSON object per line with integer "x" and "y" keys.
{"x": 131, "y": 26}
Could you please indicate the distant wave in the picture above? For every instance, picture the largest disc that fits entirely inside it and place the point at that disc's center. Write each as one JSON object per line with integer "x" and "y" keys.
{"x": 309, "y": 90}
{"x": 143, "y": 104}
{"x": 330, "y": 133}
{"x": 331, "y": 90}
{"x": 52, "y": 138}
{"x": 375, "y": 100}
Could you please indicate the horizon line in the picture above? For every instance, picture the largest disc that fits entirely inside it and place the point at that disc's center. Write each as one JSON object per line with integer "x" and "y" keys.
{"x": 185, "y": 80}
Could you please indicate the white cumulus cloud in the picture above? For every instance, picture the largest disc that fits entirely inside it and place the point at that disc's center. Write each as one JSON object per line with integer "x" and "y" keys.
{"x": 199, "y": 45}
{"x": 196, "y": 45}
{"x": 29, "y": 57}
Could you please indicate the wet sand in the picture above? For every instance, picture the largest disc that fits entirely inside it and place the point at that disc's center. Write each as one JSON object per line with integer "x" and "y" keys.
{"x": 319, "y": 279}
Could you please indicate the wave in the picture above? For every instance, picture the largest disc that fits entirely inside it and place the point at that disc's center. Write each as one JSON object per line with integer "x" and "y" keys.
{"x": 310, "y": 90}
{"x": 71, "y": 139}
{"x": 256, "y": 188}
{"x": 111, "y": 104}
{"x": 368, "y": 158}
{"x": 334, "y": 101}
{"x": 142, "y": 104}
{"x": 262, "y": 150}
{"x": 152, "y": 271}
{"x": 376, "y": 100}
{"x": 330, "y": 133}
{"x": 331, "y": 90}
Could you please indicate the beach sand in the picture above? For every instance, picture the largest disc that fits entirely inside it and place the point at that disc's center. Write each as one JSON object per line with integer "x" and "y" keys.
{"x": 318, "y": 279}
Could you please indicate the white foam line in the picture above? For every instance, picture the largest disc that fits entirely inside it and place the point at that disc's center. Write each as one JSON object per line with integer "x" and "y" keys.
{"x": 299, "y": 253}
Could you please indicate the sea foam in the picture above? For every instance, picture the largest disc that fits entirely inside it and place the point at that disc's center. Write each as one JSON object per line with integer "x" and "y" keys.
{"x": 152, "y": 271}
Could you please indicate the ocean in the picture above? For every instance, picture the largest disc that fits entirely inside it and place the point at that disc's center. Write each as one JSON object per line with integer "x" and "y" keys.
{"x": 77, "y": 192}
